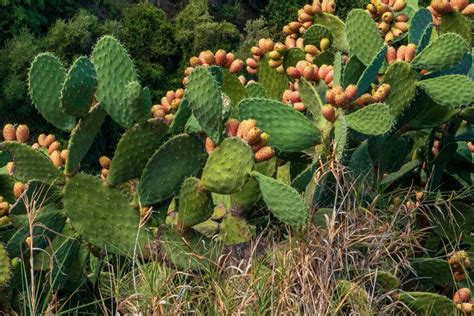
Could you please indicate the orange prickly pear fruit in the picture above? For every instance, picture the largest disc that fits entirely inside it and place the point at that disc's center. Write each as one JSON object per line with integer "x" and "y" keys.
{"x": 251, "y": 63}
{"x": 22, "y": 133}
{"x": 391, "y": 55}
{"x": 105, "y": 162}
{"x": 195, "y": 61}
{"x": 329, "y": 113}
{"x": 207, "y": 57}
{"x": 49, "y": 140}
{"x": 364, "y": 99}
{"x": 41, "y": 139}
{"x": 231, "y": 127}
{"x": 264, "y": 154}
{"x": 9, "y": 133}
{"x": 462, "y": 296}
{"x": 469, "y": 10}
{"x": 36, "y": 146}
{"x": 210, "y": 146}
{"x": 64, "y": 154}
{"x": 220, "y": 57}
{"x": 230, "y": 58}
{"x": 236, "y": 66}
{"x": 55, "y": 157}
{"x": 179, "y": 93}
{"x": 104, "y": 173}
{"x": 257, "y": 51}
{"x": 244, "y": 127}
{"x": 252, "y": 135}
{"x": 351, "y": 92}
{"x": 410, "y": 52}
{"x": 18, "y": 189}
{"x": 10, "y": 167}
{"x": 53, "y": 147}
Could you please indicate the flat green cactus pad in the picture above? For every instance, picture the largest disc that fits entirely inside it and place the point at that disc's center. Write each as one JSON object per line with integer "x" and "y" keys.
{"x": 205, "y": 101}
{"x": 138, "y": 103}
{"x": 445, "y": 52}
{"x": 195, "y": 204}
{"x": 312, "y": 101}
{"x": 45, "y": 82}
{"x": 337, "y": 28}
{"x": 353, "y": 71}
{"x": 234, "y": 230}
{"x": 115, "y": 70}
{"x": 374, "y": 119}
{"x": 5, "y": 268}
{"x": 292, "y": 57}
{"x": 289, "y": 130}
{"x": 370, "y": 73}
{"x": 282, "y": 200}
{"x": 453, "y": 91}
{"x": 31, "y": 164}
{"x": 316, "y": 33}
{"x": 82, "y": 137}
{"x": 103, "y": 216}
{"x": 176, "y": 160}
{"x": 134, "y": 150}
{"x": 228, "y": 167}
{"x": 256, "y": 90}
{"x": 418, "y": 24}
{"x": 424, "y": 303}
{"x": 181, "y": 117}
{"x": 363, "y": 36}
{"x": 340, "y": 136}
{"x": 42, "y": 193}
{"x": 455, "y": 22}
{"x": 233, "y": 88}
{"x": 274, "y": 82}
{"x": 402, "y": 80}
{"x": 79, "y": 88}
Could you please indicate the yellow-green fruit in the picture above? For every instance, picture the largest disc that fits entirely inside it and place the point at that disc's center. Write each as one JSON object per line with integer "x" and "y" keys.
{"x": 325, "y": 44}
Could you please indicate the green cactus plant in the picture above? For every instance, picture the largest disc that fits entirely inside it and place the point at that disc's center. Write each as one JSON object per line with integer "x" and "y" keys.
{"x": 5, "y": 268}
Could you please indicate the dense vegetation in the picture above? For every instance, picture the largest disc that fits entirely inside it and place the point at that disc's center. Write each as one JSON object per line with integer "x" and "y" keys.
{"x": 193, "y": 158}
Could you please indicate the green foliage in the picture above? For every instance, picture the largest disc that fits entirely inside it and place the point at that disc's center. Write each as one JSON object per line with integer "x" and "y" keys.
{"x": 281, "y": 12}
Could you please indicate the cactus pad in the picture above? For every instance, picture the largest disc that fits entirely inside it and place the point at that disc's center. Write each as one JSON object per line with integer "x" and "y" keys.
{"x": 228, "y": 167}
{"x": 82, "y": 137}
{"x": 233, "y": 88}
{"x": 370, "y": 73}
{"x": 179, "y": 158}
{"x": 374, "y": 119}
{"x": 312, "y": 101}
{"x": 138, "y": 102}
{"x": 282, "y": 200}
{"x": 292, "y": 57}
{"x": 316, "y": 33}
{"x": 289, "y": 130}
{"x": 402, "y": 90}
{"x": 420, "y": 21}
{"x": 234, "y": 230}
{"x": 451, "y": 91}
{"x": 5, "y": 267}
{"x": 364, "y": 37}
{"x": 256, "y": 90}
{"x": 353, "y": 71}
{"x": 79, "y": 88}
{"x": 195, "y": 204}
{"x": 115, "y": 70}
{"x": 274, "y": 82}
{"x": 445, "y": 52}
{"x": 103, "y": 215}
{"x": 31, "y": 164}
{"x": 337, "y": 28}
{"x": 455, "y": 22}
{"x": 45, "y": 81}
{"x": 424, "y": 303}
{"x": 38, "y": 192}
{"x": 181, "y": 117}
{"x": 205, "y": 101}
{"x": 134, "y": 149}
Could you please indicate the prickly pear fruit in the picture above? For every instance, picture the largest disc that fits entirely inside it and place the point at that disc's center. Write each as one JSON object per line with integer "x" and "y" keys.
{"x": 264, "y": 154}
{"x": 465, "y": 307}
{"x": 462, "y": 296}
{"x": 53, "y": 147}
{"x": 236, "y": 66}
{"x": 410, "y": 52}
{"x": 10, "y": 167}
{"x": 41, "y": 139}
{"x": 459, "y": 5}
{"x": 329, "y": 113}
{"x": 244, "y": 127}
{"x": 469, "y": 10}
{"x": 231, "y": 127}
{"x": 18, "y": 189}
{"x": 325, "y": 44}
{"x": 55, "y": 157}
{"x": 22, "y": 133}
{"x": 49, "y": 140}
{"x": 64, "y": 154}
{"x": 105, "y": 162}
{"x": 220, "y": 57}
{"x": 104, "y": 172}
{"x": 207, "y": 57}
{"x": 210, "y": 145}
{"x": 252, "y": 136}
{"x": 9, "y": 133}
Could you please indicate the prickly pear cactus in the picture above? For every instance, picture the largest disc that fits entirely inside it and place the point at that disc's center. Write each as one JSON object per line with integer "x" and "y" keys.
{"x": 5, "y": 267}
{"x": 195, "y": 204}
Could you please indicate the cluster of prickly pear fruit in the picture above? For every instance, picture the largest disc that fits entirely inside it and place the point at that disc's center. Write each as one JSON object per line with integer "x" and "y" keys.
{"x": 439, "y": 8}
{"x": 404, "y": 53}
{"x": 168, "y": 106}
{"x": 462, "y": 299}
{"x": 390, "y": 21}
{"x": 4, "y": 208}
{"x": 460, "y": 263}
{"x": 21, "y": 133}
{"x": 207, "y": 58}
{"x": 291, "y": 96}
{"x": 104, "y": 163}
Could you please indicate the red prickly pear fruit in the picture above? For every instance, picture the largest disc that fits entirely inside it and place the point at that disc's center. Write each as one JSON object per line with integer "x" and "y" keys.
{"x": 459, "y": 276}
{"x": 462, "y": 296}
{"x": 315, "y": 73}
{"x": 236, "y": 66}
{"x": 220, "y": 57}
{"x": 470, "y": 146}
{"x": 64, "y": 154}
{"x": 53, "y": 147}
{"x": 469, "y": 10}
{"x": 210, "y": 146}
{"x": 251, "y": 71}
{"x": 55, "y": 157}
{"x": 207, "y": 57}
{"x": 401, "y": 53}
{"x": 244, "y": 127}
{"x": 9, "y": 133}
{"x": 104, "y": 173}
{"x": 264, "y": 154}
{"x": 329, "y": 113}
{"x": 253, "y": 135}
{"x": 195, "y": 61}
{"x": 308, "y": 73}
{"x": 105, "y": 162}
{"x": 410, "y": 52}
{"x": 41, "y": 139}
{"x": 231, "y": 127}
{"x": 329, "y": 77}
{"x": 351, "y": 92}
{"x": 301, "y": 65}
{"x": 10, "y": 167}
{"x": 290, "y": 42}
{"x": 330, "y": 96}
{"x": 243, "y": 80}
{"x": 299, "y": 106}
{"x": 256, "y": 51}
{"x": 391, "y": 55}
{"x": 252, "y": 63}
{"x": 179, "y": 93}
{"x": 286, "y": 97}
{"x": 230, "y": 58}
{"x": 295, "y": 97}
{"x": 323, "y": 71}
{"x": 18, "y": 189}
{"x": 22, "y": 133}
{"x": 293, "y": 72}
